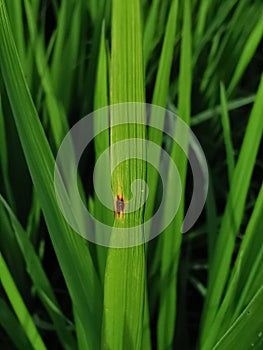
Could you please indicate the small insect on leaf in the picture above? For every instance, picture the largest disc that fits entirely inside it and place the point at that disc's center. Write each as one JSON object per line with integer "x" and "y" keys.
{"x": 119, "y": 207}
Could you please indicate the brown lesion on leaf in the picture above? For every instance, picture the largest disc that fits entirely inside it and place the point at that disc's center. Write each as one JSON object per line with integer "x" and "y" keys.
{"x": 119, "y": 207}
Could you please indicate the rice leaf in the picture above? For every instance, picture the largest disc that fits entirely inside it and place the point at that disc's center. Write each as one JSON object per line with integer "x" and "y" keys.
{"x": 33, "y": 220}
{"x": 222, "y": 13}
{"x": 11, "y": 252}
{"x": 213, "y": 112}
{"x": 66, "y": 46}
{"x": 101, "y": 144}
{"x": 161, "y": 87}
{"x": 247, "y": 53}
{"x": 252, "y": 276}
{"x": 91, "y": 70}
{"x": 233, "y": 214}
{"x": 212, "y": 221}
{"x": 71, "y": 249}
{"x": 39, "y": 279}
{"x": 4, "y": 158}
{"x": 223, "y": 316}
{"x": 160, "y": 95}
{"x": 246, "y": 278}
{"x": 15, "y": 9}
{"x": 56, "y": 113}
{"x": 19, "y": 307}
{"x": 202, "y": 17}
{"x": 10, "y": 324}
{"x": 149, "y": 36}
{"x": 124, "y": 289}
{"x": 172, "y": 237}
{"x": 227, "y": 133}
{"x": 248, "y": 328}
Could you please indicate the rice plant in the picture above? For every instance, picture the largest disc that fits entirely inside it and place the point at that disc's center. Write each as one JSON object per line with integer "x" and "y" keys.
{"x": 61, "y": 61}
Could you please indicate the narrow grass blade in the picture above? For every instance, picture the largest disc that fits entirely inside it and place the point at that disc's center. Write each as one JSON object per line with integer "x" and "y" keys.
{"x": 212, "y": 221}
{"x": 91, "y": 71}
{"x": 247, "y": 53}
{"x": 161, "y": 87}
{"x": 39, "y": 279}
{"x": 149, "y": 36}
{"x": 202, "y": 17}
{"x": 93, "y": 9}
{"x": 11, "y": 252}
{"x": 33, "y": 220}
{"x": 101, "y": 91}
{"x": 81, "y": 333}
{"x": 198, "y": 285}
{"x": 222, "y": 13}
{"x": 101, "y": 144}
{"x": 252, "y": 242}
{"x": 146, "y": 336}
{"x": 160, "y": 95}
{"x": 223, "y": 316}
{"x": 15, "y": 10}
{"x": 213, "y": 112}
{"x": 245, "y": 279}
{"x": 233, "y": 214}
{"x": 11, "y": 325}
{"x": 56, "y": 114}
{"x": 19, "y": 307}
{"x": 247, "y": 329}
{"x": 227, "y": 134}
{"x": 155, "y": 23}
{"x": 66, "y": 46}
{"x": 232, "y": 38}
{"x": 172, "y": 236}
{"x": 71, "y": 250}
{"x": 4, "y": 158}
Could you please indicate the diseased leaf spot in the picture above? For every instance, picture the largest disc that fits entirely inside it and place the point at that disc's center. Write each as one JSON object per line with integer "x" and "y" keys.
{"x": 119, "y": 207}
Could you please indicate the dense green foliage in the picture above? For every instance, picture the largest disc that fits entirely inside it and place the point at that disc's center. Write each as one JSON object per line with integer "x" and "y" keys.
{"x": 62, "y": 59}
